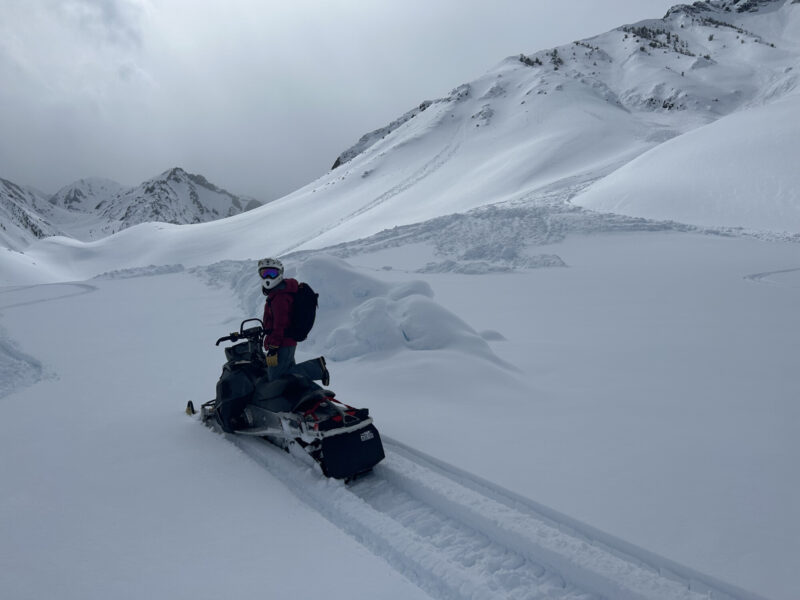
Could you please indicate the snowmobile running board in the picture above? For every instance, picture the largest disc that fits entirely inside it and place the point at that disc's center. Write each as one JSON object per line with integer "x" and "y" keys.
{"x": 344, "y": 453}
{"x": 269, "y": 431}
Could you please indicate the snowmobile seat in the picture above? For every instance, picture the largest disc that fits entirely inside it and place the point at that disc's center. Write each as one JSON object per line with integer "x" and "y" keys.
{"x": 271, "y": 396}
{"x": 266, "y": 389}
{"x": 283, "y": 394}
{"x": 242, "y": 351}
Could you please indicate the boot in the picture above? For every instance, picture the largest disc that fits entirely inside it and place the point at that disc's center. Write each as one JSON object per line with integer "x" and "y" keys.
{"x": 326, "y": 376}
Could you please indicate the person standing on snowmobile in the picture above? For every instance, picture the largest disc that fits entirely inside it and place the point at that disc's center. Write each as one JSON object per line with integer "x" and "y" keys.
{"x": 279, "y": 346}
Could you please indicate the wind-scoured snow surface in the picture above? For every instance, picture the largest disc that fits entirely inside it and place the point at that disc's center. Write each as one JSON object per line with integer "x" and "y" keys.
{"x": 576, "y": 403}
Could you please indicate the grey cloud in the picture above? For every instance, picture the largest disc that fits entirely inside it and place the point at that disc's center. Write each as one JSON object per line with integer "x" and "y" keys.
{"x": 117, "y": 22}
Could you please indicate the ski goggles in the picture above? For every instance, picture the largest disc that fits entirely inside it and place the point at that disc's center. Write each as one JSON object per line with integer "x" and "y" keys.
{"x": 269, "y": 272}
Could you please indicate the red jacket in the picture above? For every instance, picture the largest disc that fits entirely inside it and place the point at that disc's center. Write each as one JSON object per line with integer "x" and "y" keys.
{"x": 278, "y": 312}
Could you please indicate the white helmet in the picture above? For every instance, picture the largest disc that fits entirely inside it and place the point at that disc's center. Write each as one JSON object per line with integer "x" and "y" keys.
{"x": 271, "y": 272}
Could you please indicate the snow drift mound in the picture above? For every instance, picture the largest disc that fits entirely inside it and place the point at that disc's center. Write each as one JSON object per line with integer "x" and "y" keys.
{"x": 358, "y": 315}
{"x": 740, "y": 171}
{"x": 17, "y": 369}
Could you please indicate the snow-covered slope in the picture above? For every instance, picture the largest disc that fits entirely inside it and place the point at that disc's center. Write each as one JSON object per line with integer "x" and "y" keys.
{"x": 741, "y": 170}
{"x": 558, "y": 119}
{"x": 21, "y": 221}
{"x": 748, "y": 175}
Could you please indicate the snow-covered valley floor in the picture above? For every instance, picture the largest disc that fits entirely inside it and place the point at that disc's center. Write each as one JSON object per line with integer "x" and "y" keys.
{"x": 647, "y": 389}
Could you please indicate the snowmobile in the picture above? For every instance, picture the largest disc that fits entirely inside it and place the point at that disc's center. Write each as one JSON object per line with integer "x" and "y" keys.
{"x": 292, "y": 412}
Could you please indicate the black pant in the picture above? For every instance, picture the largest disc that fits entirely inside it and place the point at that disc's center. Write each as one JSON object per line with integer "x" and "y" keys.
{"x": 310, "y": 368}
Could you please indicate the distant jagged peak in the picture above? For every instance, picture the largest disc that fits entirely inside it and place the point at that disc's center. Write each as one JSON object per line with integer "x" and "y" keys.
{"x": 180, "y": 175}
{"x": 177, "y": 174}
{"x": 741, "y": 6}
{"x": 94, "y": 182}
{"x": 93, "y": 207}
{"x": 173, "y": 196}
{"x": 729, "y": 6}
{"x": 85, "y": 194}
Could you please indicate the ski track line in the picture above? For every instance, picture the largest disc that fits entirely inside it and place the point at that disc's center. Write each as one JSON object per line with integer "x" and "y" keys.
{"x": 433, "y": 165}
{"x": 764, "y": 277}
{"x": 84, "y": 288}
{"x": 460, "y": 538}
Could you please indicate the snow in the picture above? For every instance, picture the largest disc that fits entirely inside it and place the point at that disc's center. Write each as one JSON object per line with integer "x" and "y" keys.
{"x": 110, "y": 491}
{"x": 661, "y": 375}
{"x": 618, "y": 396}
{"x": 734, "y": 188}
{"x": 575, "y": 404}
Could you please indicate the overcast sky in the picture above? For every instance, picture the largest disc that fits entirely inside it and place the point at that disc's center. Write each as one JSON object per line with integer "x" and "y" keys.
{"x": 259, "y": 96}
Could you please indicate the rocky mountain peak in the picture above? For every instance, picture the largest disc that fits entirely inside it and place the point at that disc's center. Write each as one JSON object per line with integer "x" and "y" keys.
{"x": 94, "y": 207}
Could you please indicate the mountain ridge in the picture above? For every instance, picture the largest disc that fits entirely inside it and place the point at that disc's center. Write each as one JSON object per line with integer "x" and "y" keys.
{"x": 553, "y": 123}
{"x": 94, "y": 207}
{"x": 650, "y": 35}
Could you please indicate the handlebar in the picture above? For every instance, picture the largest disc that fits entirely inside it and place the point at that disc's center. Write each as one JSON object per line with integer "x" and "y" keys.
{"x": 253, "y": 334}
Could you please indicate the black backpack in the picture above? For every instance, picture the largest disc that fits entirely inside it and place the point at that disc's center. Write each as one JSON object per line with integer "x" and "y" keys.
{"x": 304, "y": 311}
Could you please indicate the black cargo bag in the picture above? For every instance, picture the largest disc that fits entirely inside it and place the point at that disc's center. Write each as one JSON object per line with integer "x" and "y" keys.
{"x": 348, "y": 454}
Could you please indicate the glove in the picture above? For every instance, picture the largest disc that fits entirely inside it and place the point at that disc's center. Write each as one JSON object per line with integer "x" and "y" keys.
{"x": 272, "y": 356}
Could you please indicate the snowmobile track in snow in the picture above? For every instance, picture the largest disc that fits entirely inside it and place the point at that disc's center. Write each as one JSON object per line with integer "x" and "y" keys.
{"x": 773, "y": 277}
{"x": 458, "y": 537}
